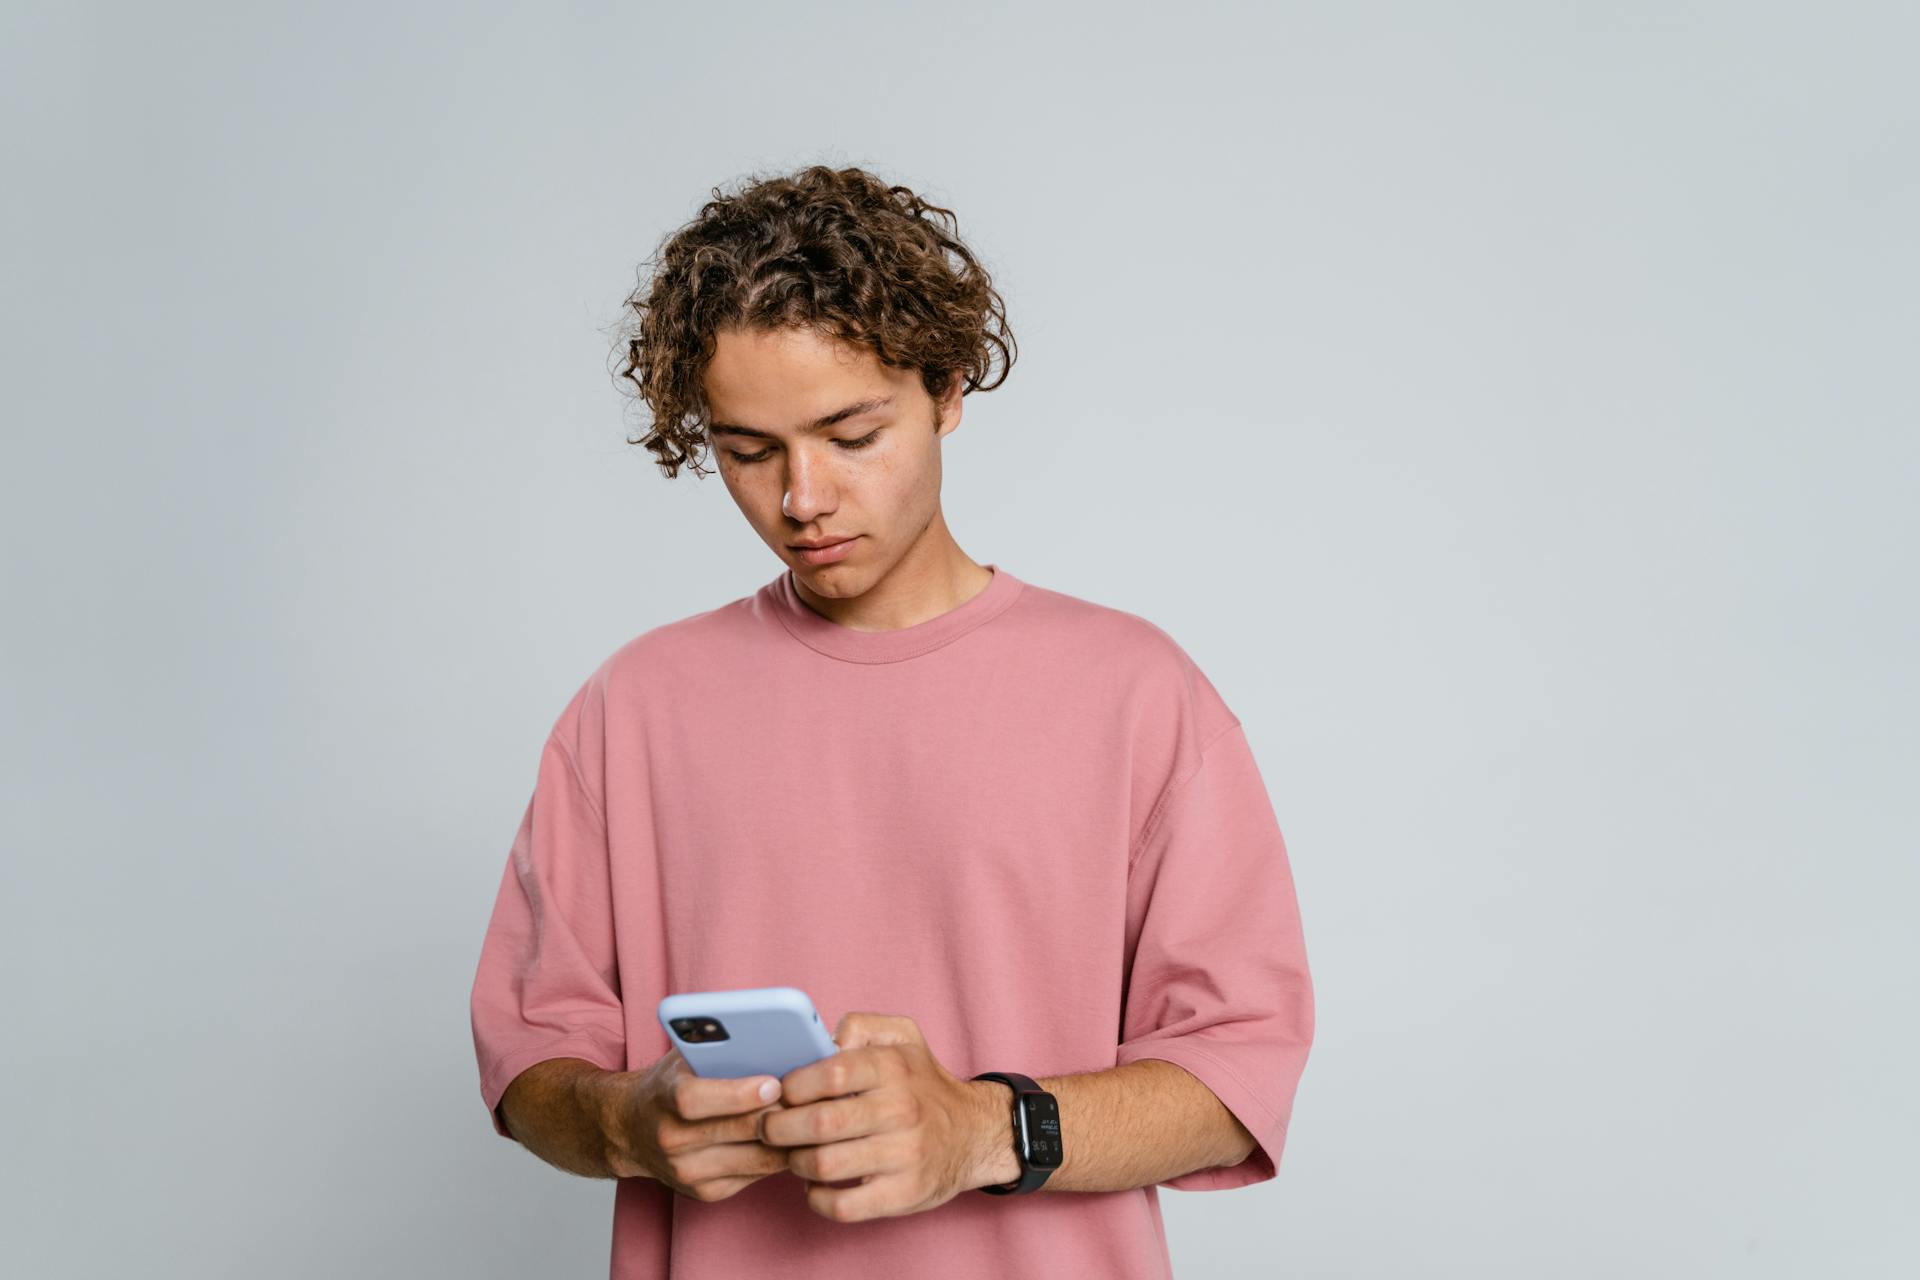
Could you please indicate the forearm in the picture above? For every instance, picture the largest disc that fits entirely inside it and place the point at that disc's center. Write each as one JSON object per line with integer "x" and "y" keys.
{"x": 553, "y": 1109}
{"x": 1128, "y": 1126}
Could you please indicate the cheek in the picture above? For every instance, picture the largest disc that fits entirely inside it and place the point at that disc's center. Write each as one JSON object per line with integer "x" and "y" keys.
{"x": 898, "y": 469}
{"x": 889, "y": 484}
{"x": 744, "y": 479}
{"x": 916, "y": 481}
{"x": 759, "y": 501}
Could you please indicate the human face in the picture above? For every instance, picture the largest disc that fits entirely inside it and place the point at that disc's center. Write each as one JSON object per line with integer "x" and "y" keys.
{"x": 819, "y": 441}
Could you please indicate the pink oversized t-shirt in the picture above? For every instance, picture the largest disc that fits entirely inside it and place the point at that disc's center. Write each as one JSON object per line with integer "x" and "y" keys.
{"x": 1030, "y": 823}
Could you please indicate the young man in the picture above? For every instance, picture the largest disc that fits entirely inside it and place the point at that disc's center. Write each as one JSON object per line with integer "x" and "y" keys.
{"x": 1015, "y": 842}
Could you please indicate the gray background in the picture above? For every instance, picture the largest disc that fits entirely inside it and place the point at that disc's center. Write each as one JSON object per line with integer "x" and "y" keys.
{"x": 1511, "y": 407}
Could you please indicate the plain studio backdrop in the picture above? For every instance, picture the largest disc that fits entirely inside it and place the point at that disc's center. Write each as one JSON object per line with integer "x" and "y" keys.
{"x": 1512, "y": 407}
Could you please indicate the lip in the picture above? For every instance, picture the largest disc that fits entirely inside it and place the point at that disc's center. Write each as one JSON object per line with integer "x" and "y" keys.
{"x": 824, "y": 552}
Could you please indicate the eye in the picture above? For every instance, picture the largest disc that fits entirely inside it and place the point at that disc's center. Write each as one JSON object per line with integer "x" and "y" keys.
{"x": 849, "y": 445}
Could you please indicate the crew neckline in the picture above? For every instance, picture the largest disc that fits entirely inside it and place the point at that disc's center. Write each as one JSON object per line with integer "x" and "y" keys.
{"x": 831, "y": 638}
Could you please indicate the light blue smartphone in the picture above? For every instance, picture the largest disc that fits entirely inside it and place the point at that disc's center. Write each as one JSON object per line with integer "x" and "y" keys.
{"x": 755, "y": 1031}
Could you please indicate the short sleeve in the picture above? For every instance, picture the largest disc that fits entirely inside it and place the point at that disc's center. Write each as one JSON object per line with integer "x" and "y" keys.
{"x": 1217, "y": 980}
{"x": 547, "y": 985}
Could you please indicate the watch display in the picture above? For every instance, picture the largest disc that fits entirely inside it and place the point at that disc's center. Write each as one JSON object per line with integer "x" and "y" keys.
{"x": 1039, "y": 1120}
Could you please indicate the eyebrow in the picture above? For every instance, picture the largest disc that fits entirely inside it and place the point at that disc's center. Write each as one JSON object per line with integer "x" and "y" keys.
{"x": 818, "y": 424}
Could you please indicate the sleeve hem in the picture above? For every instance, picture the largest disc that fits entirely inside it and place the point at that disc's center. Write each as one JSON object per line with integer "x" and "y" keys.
{"x": 1268, "y": 1129}
{"x": 494, "y": 1081}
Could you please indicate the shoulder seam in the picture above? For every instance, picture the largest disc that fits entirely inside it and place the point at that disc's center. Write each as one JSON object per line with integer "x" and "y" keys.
{"x": 580, "y": 780}
{"x": 1161, "y": 805}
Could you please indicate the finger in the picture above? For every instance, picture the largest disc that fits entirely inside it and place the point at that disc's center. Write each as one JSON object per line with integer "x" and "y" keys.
{"x": 857, "y": 1030}
{"x": 831, "y": 1120}
{"x": 727, "y": 1160}
{"x": 721, "y": 1130}
{"x": 848, "y": 1071}
{"x": 840, "y": 1161}
{"x": 858, "y": 1202}
{"x": 732, "y": 1127}
{"x": 723, "y": 1188}
{"x": 698, "y": 1097}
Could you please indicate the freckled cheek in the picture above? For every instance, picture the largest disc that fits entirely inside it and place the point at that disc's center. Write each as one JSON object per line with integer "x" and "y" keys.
{"x": 760, "y": 499}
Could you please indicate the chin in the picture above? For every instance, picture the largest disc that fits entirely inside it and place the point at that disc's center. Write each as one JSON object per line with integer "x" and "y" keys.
{"x": 824, "y": 578}
{"x": 837, "y": 580}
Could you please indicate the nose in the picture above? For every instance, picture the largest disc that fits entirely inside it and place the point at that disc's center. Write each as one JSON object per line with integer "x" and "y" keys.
{"x": 810, "y": 490}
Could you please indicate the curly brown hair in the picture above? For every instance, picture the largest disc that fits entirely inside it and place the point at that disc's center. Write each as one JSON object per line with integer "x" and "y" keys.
{"x": 837, "y": 251}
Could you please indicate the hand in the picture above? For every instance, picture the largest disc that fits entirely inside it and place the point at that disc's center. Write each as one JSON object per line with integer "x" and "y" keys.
{"x": 695, "y": 1134}
{"x": 883, "y": 1115}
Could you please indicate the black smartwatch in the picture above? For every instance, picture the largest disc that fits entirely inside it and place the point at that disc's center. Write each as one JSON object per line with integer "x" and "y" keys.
{"x": 1036, "y": 1132}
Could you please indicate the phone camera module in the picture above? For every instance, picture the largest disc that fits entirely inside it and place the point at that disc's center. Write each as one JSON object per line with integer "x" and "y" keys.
{"x": 699, "y": 1030}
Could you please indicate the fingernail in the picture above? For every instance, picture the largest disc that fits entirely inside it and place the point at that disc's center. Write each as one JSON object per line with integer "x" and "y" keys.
{"x": 769, "y": 1091}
